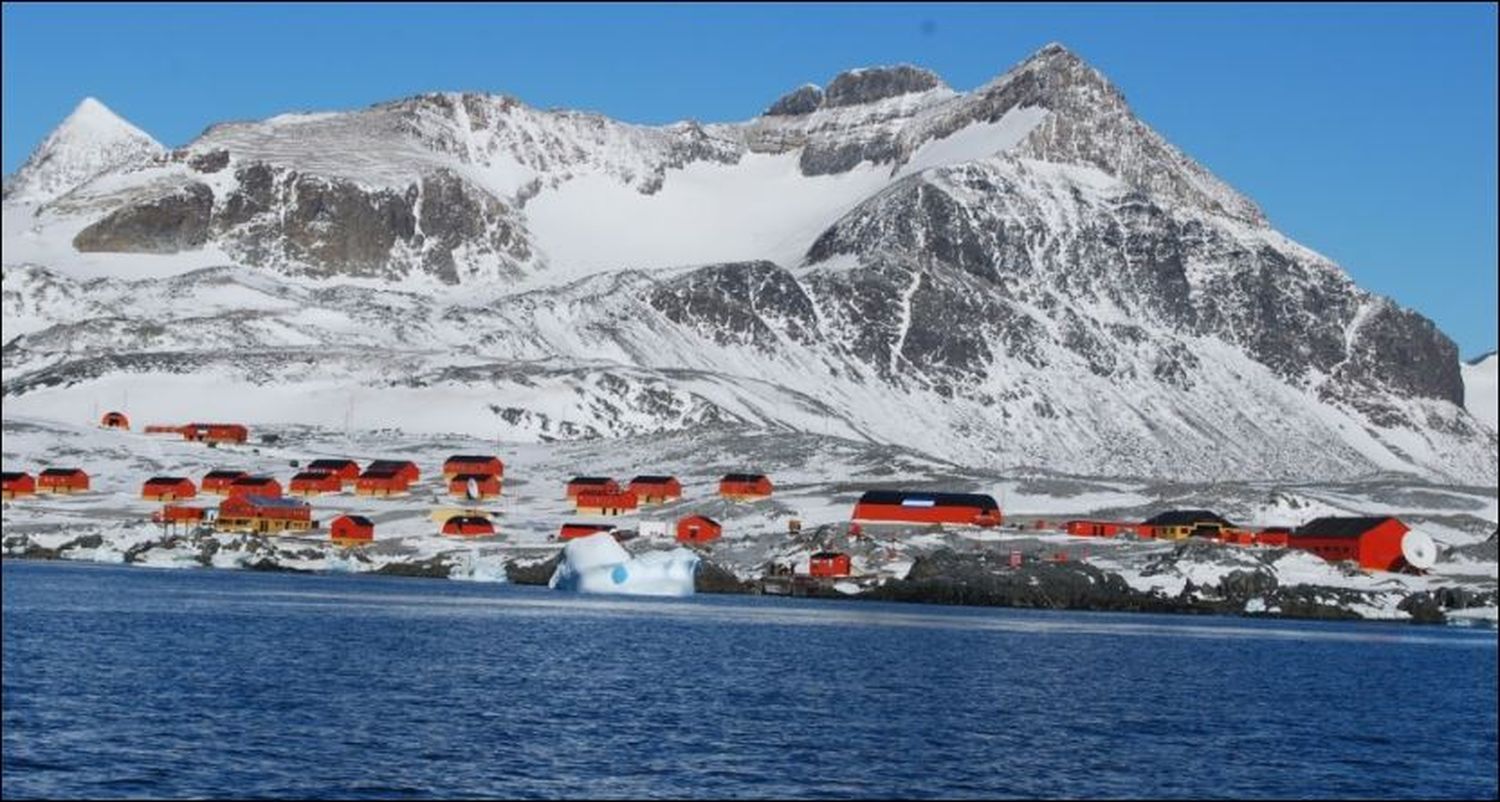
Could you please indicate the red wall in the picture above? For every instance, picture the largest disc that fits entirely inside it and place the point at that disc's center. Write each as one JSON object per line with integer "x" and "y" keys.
{"x": 934, "y": 515}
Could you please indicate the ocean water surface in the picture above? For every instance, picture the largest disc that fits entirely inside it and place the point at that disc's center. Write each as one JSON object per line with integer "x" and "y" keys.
{"x": 125, "y": 681}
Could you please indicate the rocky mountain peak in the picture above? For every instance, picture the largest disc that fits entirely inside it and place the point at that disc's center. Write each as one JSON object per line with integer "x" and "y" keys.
{"x": 869, "y": 84}
{"x": 91, "y": 140}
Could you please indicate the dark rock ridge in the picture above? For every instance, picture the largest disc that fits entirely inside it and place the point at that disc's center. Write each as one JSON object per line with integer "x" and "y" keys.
{"x": 877, "y": 83}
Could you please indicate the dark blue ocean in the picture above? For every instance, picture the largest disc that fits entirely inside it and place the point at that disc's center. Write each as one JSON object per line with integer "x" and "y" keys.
{"x": 140, "y": 682}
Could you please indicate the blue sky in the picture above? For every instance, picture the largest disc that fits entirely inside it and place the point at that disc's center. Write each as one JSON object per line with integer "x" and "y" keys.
{"x": 1366, "y": 132}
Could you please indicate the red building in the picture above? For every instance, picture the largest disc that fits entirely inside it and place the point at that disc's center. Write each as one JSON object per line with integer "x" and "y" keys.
{"x": 254, "y": 485}
{"x": 896, "y": 506}
{"x": 263, "y": 514}
{"x": 487, "y": 484}
{"x": 179, "y": 514}
{"x": 1096, "y": 528}
{"x": 591, "y": 484}
{"x": 168, "y": 488}
{"x": 1237, "y": 537}
{"x": 217, "y": 482}
{"x": 216, "y": 432}
{"x": 698, "y": 529}
{"x": 115, "y": 420}
{"x": 347, "y": 470}
{"x": 1374, "y": 543}
{"x": 829, "y": 563}
{"x": 606, "y": 503}
{"x": 468, "y": 526}
{"x": 1278, "y": 536}
{"x": 62, "y": 480}
{"x": 372, "y": 482}
{"x": 315, "y": 483}
{"x": 406, "y": 468}
{"x": 351, "y": 529}
{"x": 470, "y": 464}
{"x": 1179, "y": 524}
{"x": 15, "y": 484}
{"x": 745, "y": 486}
{"x": 656, "y": 489}
{"x": 572, "y": 530}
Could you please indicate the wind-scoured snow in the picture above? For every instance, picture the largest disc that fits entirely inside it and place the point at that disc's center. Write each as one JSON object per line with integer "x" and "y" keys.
{"x": 1480, "y": 396}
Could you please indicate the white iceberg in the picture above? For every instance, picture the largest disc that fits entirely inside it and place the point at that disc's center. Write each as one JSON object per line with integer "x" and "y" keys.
{"x": 599, "y": 564}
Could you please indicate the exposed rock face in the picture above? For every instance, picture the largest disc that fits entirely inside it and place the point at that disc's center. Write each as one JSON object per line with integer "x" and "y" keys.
{"x": 748, "y": 303}
{"x": 877, "y": 83}
{"x": 802, "y": 100}
{"x": 175, "y": 222}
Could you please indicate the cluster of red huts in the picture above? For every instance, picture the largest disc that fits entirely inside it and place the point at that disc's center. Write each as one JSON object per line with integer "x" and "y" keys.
{"x": 1373, "y": 542}
{"x": 601, "y": 496}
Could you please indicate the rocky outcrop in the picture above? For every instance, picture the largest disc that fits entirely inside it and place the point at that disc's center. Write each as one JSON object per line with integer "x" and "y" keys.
{"x": 170, "y": 223}
{"x": 877, "y": 83}
{"x": 802, "y": 100}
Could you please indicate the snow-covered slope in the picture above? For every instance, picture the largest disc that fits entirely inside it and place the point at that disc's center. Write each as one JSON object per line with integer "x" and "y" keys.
{"x": 1480, "y": 388}
{"x": 90, "y": 141}
{"x": 1020, "y": 275}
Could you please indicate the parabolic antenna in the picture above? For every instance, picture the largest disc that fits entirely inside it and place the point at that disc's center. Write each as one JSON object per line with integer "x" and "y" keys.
{"x": 472, "y": 489}
{"x": 1419, "y": 550}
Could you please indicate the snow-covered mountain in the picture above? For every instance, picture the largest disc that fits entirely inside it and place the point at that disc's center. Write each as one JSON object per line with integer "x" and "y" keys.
{"x": 1480, "y": 388}
{"x": 90, "y": 141}
{"x": 1020, "y": 275}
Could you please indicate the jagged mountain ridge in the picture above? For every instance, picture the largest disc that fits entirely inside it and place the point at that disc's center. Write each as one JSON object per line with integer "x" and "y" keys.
{"x": 1024, "y": 274}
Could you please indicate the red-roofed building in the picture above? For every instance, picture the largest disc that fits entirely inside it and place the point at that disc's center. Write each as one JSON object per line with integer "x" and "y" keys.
{"x": 591, "y": 484}
{"x": 1374, "y": 543}
{"x": 1097, "y": 528}
{"x": 347, "y": 470}
{"x": 388, "y": 482}
{"x": 263, "y": 514}
{"x": 573, "y": 530}
{"x": 829, "y": 564}
{"x": 216, "y": 432}
{"x": 404, "y": 467}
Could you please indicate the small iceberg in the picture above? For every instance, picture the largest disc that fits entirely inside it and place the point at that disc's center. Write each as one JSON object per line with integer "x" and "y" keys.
{"x": 599, "y": 564}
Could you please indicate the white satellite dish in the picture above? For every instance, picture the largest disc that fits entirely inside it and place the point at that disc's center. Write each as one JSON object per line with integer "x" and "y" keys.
{"x": 472, "y": 489}
{"x": 1419, "y": 550}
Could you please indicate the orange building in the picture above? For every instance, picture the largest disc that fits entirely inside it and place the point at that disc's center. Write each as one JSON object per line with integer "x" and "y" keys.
{"x": 389, "y": 482}
{"x": 216, "y": 432}
{"x": 263, "y": 514}
{"x": 897, "y": 506}
{"x": 572, "y": 530}
{"x": 16, "y": 484}
{"x": 606, "y": 503}
{"x": 471, "y": 464}
{"x": 62, "y": 480}
{"x": 828, "y": 564}
{"x": 347, "y": 470}
{"x": 1374, "y": 543}
{"x": 168, "y": 488}
{"x": 488, "y": 485}
{"x": 347, "y": 530}
{"x": 591, "y": 484}
{"x": 115, "y": 420}
{"x": 315, "y": 483}
{"x": 1097, "y": 528}
{"x": 254, "y": 485}
{"x": 656, "y": 489}
{"x": 218, "y": 481}
{"x": 698, "y": 529}
{"x": 404, "y": 467}
{"x": 468, "y": 526}
{"x": 745, "y": 486}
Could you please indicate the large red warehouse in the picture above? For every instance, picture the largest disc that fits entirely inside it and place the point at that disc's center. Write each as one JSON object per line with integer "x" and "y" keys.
{"x": 168, "y": 488}
{"x": 898, "y": 506}
{"x": 656, "y": 489}
{"x": 473, "y": 464}
{"x": 745, "y": 486}
{"x": 62, "y": 480}
{"x": 216, "y": 432}
{"x": 1374, "y": 543}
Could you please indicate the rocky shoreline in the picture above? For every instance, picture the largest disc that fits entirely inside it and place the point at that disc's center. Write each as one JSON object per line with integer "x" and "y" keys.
{"x": 945, "y": 576}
